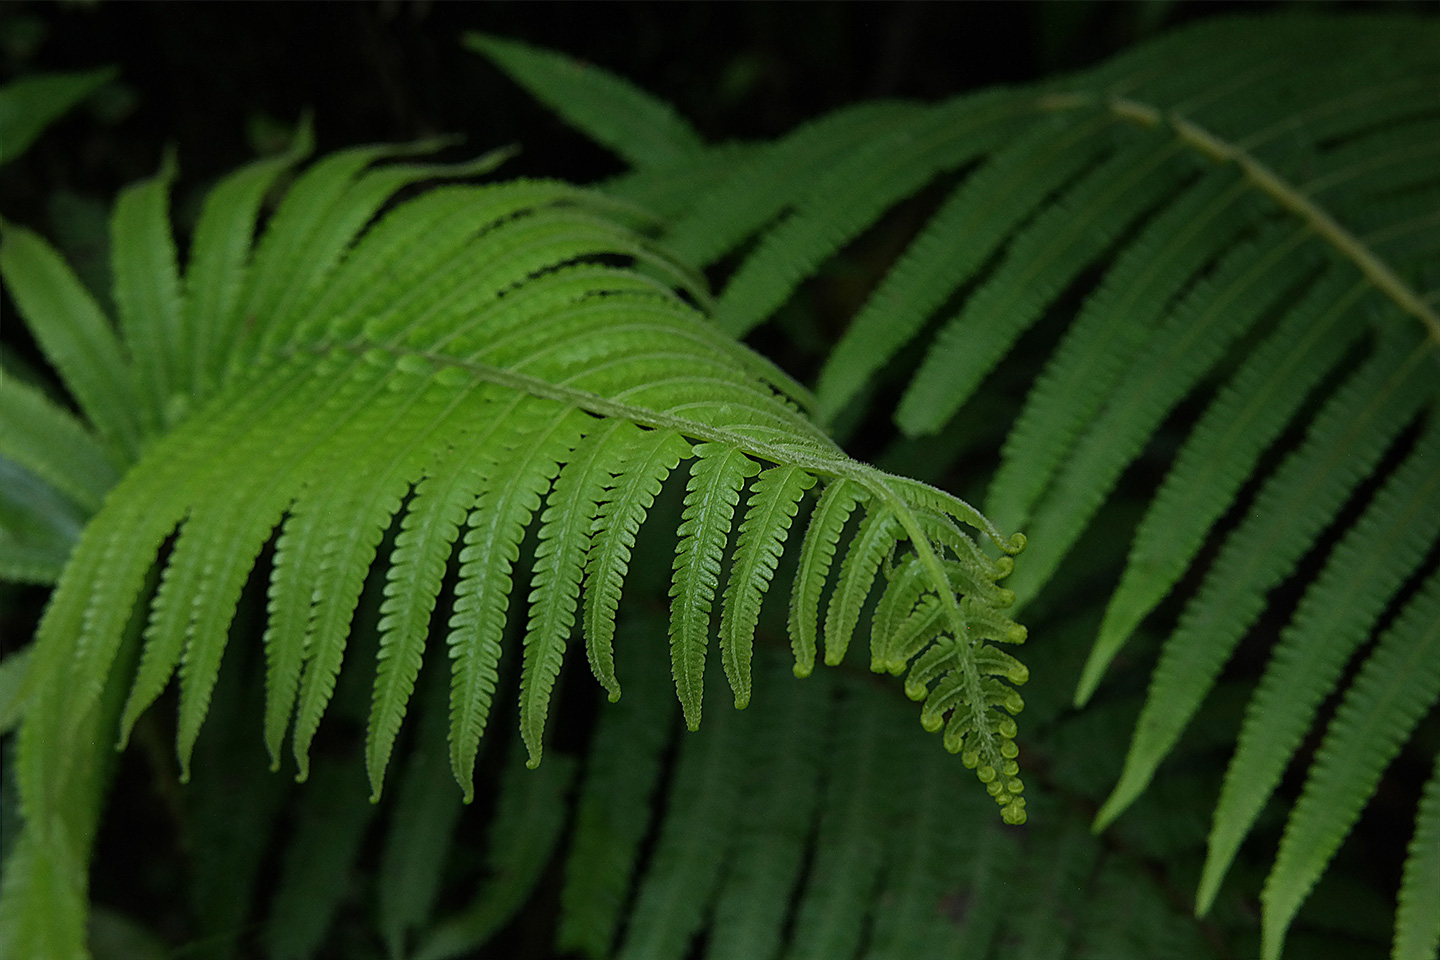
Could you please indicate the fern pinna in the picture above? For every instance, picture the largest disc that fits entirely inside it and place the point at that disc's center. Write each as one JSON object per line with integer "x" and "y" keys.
{"x": 474, "y": 360}
{"x": 1237, "y": 218}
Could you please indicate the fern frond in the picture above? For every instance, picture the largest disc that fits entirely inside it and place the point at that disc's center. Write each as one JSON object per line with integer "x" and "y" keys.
{"x": 518, "y": 477}
{"x": 496, "y": 363}
{"x": 872, "y": 545}
{"x": 219, "y": 251}
{"x": 565, "y": 538}
{"x": 765, "y": 184}
{"x": 1417, "y": 930}
{"x": 1175, "y": 247}
{"x": 903, "y": 594}
{"x": 1332, "y": 621}
{"x": 646, "y": 461}
{"x": 1353, "y": 429}
{"x": 716, "y": 479}
{"x": 960, "y": 236}
{"x": 822, "y": 536}
{"x": 1398, "y": 683}
{"x": 1220, "y": 453}
{"x": 1220, "y": 309}
{"x": 52, "y": 444}
{"x": 668, "y": 191}
{"x": 30, "y": 104}
{"x": 1044, "y": 258}
{"x": 846, "y": 197}
{"x": 422, "y": 549}
{"x": 365, "y": 501}
{"x": 278, "y": 260}
{"x": 645, "y": 131}
{"x": 77, "y": 338}
{"x": 1256, "y": 213}
{"x": 147, "y": 290}
{"x": 773, "y": 504}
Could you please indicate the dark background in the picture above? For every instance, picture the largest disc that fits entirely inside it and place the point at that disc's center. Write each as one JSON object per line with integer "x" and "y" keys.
{"x": 214, "y": 78}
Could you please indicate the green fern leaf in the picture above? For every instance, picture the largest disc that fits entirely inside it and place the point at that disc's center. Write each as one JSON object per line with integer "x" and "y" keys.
{"x": 669, "y": 191}
{"x": 766, "y": 183}
{"x": 469, "y": 374}
{"x": 364, "y": 503}
{"x": 961, "y": 235}
{"x": 51, "y": 443}
{"x": 714, "y": 488}
{"x": 559, "y": 564}
{"x": 1044, "y": 258}
{"x": 147, "y": 290}
{"x": 643, "y": 130}
{"x": 1417, "y": 930}
{"x": 903, "y": 593}
{"x": 816, "y": 556}
{"x": 428, "y": 532}
{"x": 1174, "y": 248}
{"x": 647, "y": 461}
{"x": 855, "y": 190}
{"x": 1221, "y": 451}
{"x": 909, "y": 636}
{"x": 76, "y": 336}
{"x": 774, "y": 502}
{"x": 872, "y": 545}
{"x": 1395, "y": 687}
{"x": 1333, "y": 620}
{"x": 1239, "y": 220}
{"x": 215, "y": 272}
{"x": 492, "y": 544}
{"x": 1354, "y": 429}
{"x": 30, "y": 104}
{"x": 277, "y": 260}
{"x": 1220, "y": 309}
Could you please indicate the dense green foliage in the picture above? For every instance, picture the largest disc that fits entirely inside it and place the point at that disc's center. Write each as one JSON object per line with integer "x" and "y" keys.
{"x": 1185, "y": 300}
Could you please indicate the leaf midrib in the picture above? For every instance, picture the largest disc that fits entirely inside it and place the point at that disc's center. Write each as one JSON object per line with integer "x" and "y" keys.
{"x": 1282, "y": 192}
